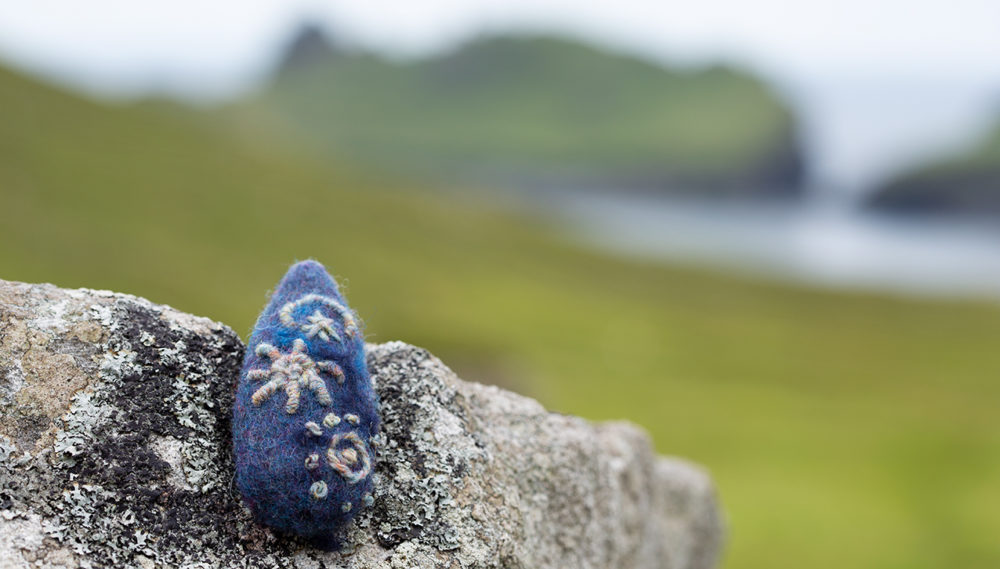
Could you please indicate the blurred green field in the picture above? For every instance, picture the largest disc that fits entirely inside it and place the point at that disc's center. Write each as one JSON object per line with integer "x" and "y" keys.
{"x": 843, "y": 430}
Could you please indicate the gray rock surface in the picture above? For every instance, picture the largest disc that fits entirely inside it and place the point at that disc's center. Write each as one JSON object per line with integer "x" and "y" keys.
{"x": 114, "y": 452}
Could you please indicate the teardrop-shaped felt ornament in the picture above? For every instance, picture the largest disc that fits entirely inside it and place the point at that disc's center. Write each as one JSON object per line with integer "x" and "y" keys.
{"x": 305, "y": 411}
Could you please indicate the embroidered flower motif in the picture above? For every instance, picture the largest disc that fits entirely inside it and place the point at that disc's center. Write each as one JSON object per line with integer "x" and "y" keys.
{"x": 291, "y": 372}
{"x": 319, "y": 324}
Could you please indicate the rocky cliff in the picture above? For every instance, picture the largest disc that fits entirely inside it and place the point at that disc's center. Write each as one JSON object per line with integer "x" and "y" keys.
{"x": 534, "y": 112}
{"x": 966, "y": 185}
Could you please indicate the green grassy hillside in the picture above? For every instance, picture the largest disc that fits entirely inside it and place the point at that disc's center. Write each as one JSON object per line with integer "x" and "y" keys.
{"x": 843, "y": 430}
{"x": 965, "y": 184}
{"x": 538, "y": 110}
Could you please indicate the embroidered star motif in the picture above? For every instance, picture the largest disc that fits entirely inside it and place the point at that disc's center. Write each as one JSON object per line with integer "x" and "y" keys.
{"x": 321, "y": 326}
{"x": 291, "y": 372}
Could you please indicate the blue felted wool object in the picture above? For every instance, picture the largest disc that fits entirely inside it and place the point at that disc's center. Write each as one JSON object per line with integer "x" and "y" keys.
{"x": 305, "y": 411}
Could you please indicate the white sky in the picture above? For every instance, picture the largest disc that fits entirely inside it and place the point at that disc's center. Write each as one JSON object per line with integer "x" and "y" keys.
{"x": 199, "y": 45}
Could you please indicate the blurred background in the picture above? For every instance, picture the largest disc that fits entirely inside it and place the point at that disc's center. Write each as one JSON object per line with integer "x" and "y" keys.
{"x": 765, "y": 231}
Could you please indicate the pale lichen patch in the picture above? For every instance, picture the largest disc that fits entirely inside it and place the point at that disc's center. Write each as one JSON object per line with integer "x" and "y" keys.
{"x": 23, "y": 542}
{"x": 171, "y": 451}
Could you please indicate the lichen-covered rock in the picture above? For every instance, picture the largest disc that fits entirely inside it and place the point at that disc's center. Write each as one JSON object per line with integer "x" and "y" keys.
{"x": 115, "y": 452}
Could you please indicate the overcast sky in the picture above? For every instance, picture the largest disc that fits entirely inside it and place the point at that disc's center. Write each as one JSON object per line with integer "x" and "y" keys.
{"x": 199, "y": 45}
{"x": 878, "y": 84}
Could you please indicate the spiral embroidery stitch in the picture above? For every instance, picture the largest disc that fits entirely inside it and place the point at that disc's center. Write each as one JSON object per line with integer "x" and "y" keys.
{"x": 345, "y": 460}
{"x": 304, "y": 461}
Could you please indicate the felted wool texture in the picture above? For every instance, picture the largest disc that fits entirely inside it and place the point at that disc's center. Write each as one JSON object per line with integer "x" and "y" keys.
{"x": 285, "y": 456}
